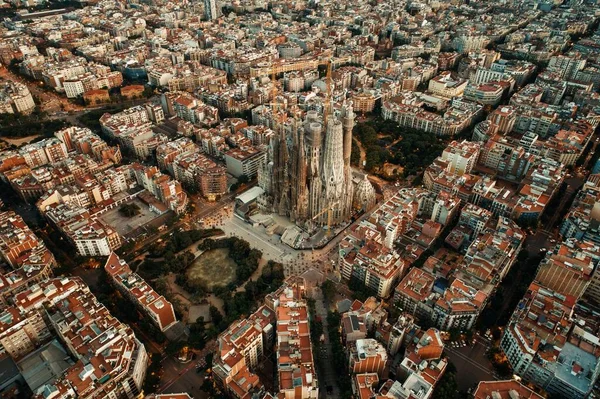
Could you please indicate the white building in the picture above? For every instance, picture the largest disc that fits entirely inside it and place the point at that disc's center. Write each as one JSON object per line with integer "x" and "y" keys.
{"x": 211, "y": 9}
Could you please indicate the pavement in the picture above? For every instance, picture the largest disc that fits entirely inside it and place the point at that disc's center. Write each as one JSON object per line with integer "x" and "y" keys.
{"x": 182, "y": 377}
{"x": 471, "y": 364}
{"x": 295, "y": 261}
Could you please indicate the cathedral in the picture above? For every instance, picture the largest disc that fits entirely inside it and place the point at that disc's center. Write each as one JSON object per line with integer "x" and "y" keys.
{"x": 307, "y": 176}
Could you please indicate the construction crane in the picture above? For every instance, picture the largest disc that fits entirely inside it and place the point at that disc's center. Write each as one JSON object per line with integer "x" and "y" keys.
{"x": 329, "y": 210}
{"x": 274, "y": 93}
{"x": 328, "y": 95}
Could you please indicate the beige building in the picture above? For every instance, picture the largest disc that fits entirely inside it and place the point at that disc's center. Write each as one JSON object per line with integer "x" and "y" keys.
{"x": 21, "y": 333}
{"x": 445, "y": 85}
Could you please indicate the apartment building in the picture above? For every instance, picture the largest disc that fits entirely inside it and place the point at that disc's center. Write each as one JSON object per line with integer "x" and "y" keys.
{"x": 491, "y": 255}
{"x": 547, "y": 346}
{"x": 132, "y": 128}
{"x": 506, "y": 389}
{"x": 458, "y": 307}
{"x": 364, "y": 385}
{"x": 567, "y": 146}
{"x": 466, "y": 43}
{"x": 454, "y": 120}
{"x": 569, "y": 267}
{"x": 367, "y": 252}
{"x": 159, "y": 310}
{"x": 21, "y": 332}
{"x": 245, "y": 161}
{"x": 507, "y": 159}
{"x": 476, "y": 218}
{"x": 426, "y": 349}
{"x": 191, "y": 109}
{"x": 183, "y": 160}
{"x": 19, "y": 245}
{"x": 15, "y": 98}
{"x": 167, "y": 152}
{"x": 110, "y": 360}
{"x": 24, "y": 252}
{"x": 415, "y": 294}
{"x": 84, "y": 141}
{"x": 166, "y": 190}
{"x": 445, "y": 85}
{"x": 489, "y": 93}
{"x": 84, "y": 230}
{"x": 44, "y": 152}
{"x": 368, "y": 356}
{"x": 365, "y": 258}
{"x": 461, "y": 157}
{"x": 295, "y": 363}
{"x": 240, "y": 349}
{"x": 353, "y": 327}
{"x": 583, "y": 219}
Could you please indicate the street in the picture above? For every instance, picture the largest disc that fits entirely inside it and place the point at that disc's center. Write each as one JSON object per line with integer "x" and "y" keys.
{"x": 49, "y": 100}
{"x": 471, "y": 364}
{"x": 178, "y": 377}
{"x": 326, "y": 371}
{"x": 182, "y": 377}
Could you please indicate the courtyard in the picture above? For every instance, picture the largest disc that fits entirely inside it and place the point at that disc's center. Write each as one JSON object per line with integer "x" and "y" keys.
{"x": 126, "y": 225}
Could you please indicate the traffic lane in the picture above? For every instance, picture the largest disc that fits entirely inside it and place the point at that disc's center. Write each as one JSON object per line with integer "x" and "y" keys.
{"x": 536, "y": 242}
{"x": 471, "y": 364}
{"x": 190, "y": 382}
{"x": 176, "y": 375}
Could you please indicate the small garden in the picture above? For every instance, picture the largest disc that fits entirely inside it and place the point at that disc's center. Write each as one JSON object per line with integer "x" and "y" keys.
{"x": 129, "y": 210}
{"x": 219, "y": 277}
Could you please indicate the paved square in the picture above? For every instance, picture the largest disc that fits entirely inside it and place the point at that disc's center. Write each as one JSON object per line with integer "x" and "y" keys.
{"x": 124, "y": 225}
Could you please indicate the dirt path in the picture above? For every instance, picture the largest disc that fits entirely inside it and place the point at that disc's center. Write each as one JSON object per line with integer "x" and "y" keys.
{"x": 363, "y": 153}
{"x": 18, "y": 141}
{"x": 393, "y": 143}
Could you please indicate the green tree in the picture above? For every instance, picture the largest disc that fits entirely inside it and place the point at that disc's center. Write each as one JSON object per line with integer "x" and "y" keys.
{"x": 447, "y": 387}
{"x": 215, "y": 315}
{"x": 152, "y": 380}
{"x": 328, "y": 288}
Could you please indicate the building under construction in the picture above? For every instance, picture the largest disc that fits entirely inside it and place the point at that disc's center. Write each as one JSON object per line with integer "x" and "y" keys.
{"x": 307, "y": 176}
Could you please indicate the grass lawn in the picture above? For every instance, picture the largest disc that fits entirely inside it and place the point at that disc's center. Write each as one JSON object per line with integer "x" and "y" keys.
{"x": 213, "y": 268}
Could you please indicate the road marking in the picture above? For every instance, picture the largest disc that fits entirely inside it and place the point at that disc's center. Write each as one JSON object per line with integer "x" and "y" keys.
{"x": 176, "y": 378}
{"x": 470, "y": 361}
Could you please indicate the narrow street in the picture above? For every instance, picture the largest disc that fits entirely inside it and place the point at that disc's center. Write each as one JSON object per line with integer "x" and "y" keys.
{"x": 326, "y": 372}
